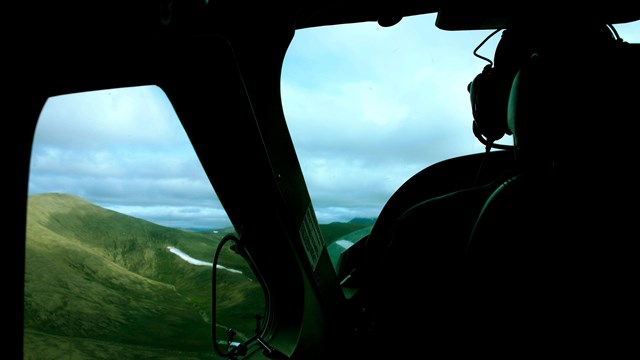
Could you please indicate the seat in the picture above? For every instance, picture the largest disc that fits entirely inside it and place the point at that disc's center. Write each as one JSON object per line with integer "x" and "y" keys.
{"x": 408, "y": 256}
{"x": 439, "y": 179}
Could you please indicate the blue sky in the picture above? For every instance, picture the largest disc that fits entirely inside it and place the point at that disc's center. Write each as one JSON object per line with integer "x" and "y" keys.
{"x": 367, "y": 108}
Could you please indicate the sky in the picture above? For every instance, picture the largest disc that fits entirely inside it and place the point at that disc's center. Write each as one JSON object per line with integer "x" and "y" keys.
{"x": 367, "y": 107}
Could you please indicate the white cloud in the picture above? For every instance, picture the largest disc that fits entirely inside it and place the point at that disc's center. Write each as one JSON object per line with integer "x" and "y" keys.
{"x": 139, "y": 117}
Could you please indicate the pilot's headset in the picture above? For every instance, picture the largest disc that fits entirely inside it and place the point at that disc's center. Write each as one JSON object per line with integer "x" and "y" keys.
{"x": 489, "y": 90}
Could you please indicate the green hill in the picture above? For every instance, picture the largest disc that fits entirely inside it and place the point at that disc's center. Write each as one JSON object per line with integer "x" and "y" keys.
{"x": 103, "y": 285}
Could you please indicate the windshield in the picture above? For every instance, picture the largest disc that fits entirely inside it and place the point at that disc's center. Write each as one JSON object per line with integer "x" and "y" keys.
{"x": 368, "y": 106}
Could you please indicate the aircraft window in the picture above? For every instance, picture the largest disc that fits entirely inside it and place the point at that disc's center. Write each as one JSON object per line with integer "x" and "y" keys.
{"x": 122, "y": 228}
{"x": 368, "y": 107}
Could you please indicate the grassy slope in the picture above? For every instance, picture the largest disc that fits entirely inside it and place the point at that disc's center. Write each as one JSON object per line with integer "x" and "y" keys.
{"x": 94, "y": 276}
{"x": 52, "y": 347}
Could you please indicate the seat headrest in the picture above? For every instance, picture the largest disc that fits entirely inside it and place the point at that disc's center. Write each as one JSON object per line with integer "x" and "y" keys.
{"x": 564, "y": 96}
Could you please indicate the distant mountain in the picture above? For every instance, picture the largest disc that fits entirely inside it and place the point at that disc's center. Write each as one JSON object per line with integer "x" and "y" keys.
{"x": 100, "y": 284}
{"x": 363, "y": 221}
{"x": 337, "y": 230}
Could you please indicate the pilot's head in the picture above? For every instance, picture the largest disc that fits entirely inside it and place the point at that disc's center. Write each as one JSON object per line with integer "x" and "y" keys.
{"x": 562, "y": 48}
{"x": 556, "y": 88}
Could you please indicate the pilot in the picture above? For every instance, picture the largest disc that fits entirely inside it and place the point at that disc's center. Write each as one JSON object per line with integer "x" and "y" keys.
{"x": 459, "y": 267}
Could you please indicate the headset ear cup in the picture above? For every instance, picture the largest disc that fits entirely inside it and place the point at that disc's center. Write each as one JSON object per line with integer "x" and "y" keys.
{"x": 489, "y": 99}
{"x": 533, "y": 103}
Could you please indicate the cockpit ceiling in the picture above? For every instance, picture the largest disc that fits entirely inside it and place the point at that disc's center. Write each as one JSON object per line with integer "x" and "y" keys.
{"x": 145, "y": 16}
{"x": 461, "y": 14}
